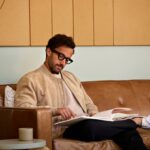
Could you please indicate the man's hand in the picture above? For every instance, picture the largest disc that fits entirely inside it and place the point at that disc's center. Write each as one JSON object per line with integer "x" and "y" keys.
{"x": 66, "y": 113}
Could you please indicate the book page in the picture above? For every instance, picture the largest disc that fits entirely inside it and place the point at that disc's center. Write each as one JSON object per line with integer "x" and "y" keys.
{"x": 103, "y": 115}
{"x": 123, "y": 116}
{"x": 81, "y": 118}
{"x": 108, "y": 114}
{"x": 72, "y": 121}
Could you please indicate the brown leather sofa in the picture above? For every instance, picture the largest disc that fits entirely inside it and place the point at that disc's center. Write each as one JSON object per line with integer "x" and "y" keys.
{"x": 105, "y": 94}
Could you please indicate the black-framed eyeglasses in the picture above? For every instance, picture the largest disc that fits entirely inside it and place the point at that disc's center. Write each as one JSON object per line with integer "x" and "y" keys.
{"x": 61, "y": 56}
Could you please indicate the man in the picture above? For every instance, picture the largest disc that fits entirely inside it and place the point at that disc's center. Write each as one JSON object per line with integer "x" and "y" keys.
{"x": 64, "y": 94}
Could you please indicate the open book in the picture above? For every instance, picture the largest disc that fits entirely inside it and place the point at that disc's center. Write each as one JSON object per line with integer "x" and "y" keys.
{"x": 108, "y": 115}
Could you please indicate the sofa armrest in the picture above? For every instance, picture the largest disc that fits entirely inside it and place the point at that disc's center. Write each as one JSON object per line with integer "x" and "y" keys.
{"x": 38, "y": 118}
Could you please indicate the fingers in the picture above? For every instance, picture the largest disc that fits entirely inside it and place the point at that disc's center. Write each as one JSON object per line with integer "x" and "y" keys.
{"x": 138, "y": 121}
{"x": 66, "y": 113}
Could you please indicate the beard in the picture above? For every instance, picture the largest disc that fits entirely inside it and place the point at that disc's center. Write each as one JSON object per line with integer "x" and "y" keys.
{"x": 56, "y": 69}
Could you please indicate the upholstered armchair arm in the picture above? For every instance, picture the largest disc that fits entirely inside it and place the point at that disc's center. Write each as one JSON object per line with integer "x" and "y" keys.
{"x": 38, "y": 118}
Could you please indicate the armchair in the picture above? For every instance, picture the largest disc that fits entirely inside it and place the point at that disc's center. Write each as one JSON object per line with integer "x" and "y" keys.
{"x": 13, "y": 118}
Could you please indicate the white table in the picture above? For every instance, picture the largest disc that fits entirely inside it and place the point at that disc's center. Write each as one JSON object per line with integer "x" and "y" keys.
{"x": 16, "y": 144}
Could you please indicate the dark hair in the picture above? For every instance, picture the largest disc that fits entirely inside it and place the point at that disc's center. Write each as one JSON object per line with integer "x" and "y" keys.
{"x": 60, "y": 40}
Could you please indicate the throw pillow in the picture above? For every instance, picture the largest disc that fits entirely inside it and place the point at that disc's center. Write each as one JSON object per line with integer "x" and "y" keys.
{"x": 1, "y": 101}
{"x": 9, "y": 97}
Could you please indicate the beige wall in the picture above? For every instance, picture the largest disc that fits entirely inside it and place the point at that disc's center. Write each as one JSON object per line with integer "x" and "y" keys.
{"x": 90, "y": 63}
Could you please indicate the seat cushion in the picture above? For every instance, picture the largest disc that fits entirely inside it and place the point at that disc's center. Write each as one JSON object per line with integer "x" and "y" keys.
{"x": 65, "y": 144}
{"x": 145, "y": 134}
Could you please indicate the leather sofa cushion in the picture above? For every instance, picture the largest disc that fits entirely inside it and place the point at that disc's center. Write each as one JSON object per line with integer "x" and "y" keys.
{"x": 64, "y": 144}
{"x": 145, "y": 134}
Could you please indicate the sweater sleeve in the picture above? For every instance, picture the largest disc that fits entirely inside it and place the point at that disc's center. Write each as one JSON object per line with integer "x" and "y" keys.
{"x": 25, "y": 94}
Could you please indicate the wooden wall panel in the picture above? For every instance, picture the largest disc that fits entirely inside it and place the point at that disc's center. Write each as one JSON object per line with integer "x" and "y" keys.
{"x": 14, "y": 23}
{"x": 62, "y": 14}
{"x": 132, "y": 22}
{"x": 103, "y": 22}
{"x": 83, "y": 22}
{"x": 40, "y": 21}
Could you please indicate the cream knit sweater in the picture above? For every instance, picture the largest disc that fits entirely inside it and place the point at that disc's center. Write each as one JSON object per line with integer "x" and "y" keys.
{"x": 41, "y": 88}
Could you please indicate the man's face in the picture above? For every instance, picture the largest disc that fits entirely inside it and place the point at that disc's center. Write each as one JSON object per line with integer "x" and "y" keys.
{"x": 58, "y": 58}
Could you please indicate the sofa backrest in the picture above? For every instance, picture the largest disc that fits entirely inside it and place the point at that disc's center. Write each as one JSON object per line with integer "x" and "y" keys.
{"x": 109, "y": 94}
{"x": 125, "y": 93}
